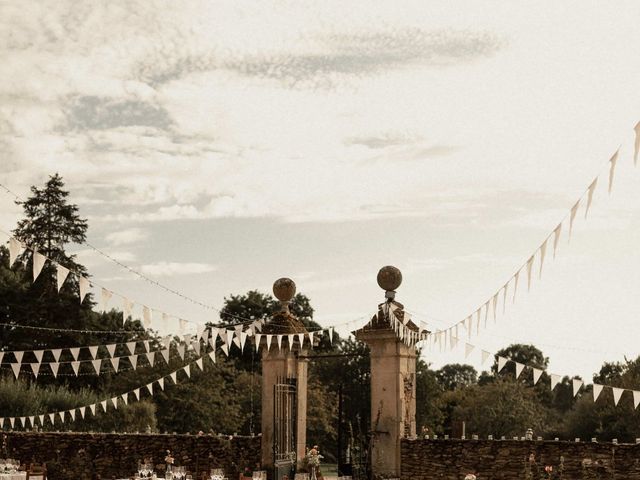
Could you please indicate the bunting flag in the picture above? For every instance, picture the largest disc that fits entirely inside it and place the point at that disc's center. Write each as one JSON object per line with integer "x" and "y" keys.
{"x": 258, "y": 337}
{"x": 597, "y": 389}
{"x": 61, "y": 275}
{"x": 243, "y": 338}
{"x": 612, "y": 168}
{"x": 212, "y": 356}
{"x": 105, "y": 297}
{"x": 82, "y": 410}
{"x": 636, "y": 145}
{"x": 127, "y": 307}
{"x": 331, "y": 335}
{"x": 529, "y": 267}
{"x": 16, "y": 369}
{"x": 93, "y": 351}
{"x": 38, "y": 262}
{"x": 468, "y": 348}
{"x": 501, "y": 363}
{"x": 103, "y": 404}
{"x": 543, "y": 250}
{"x": 181, "y": 350}
{"x": 279, "y": 340}
{"x": 537, "y": 373}
{"x": 592, "y": 188}
{"x": 572, "y": 216}
{"x": 75, "y": 351}
{"x": 515, "y": 284}
{"x": 131, "y": 346}
{"x": 35, "y": 367}
{"x": 115, "y": 362}
{"x": 83, "y": 285}
{"x": 519, "y": 369}
{"x": 225, "y": 348}
{"x": 15, "y": 248}
{"x": 54, "y": 369}
{"x": 269, "y": 338}
{"x": 56, "y": 353}
{"x": 38, "y": 354}
{"x": 577, "y": 384}
{"x": 97, "y": 364}
{"x": 165, "y": 355}
{"x": 485, "y": 356}
{"x": 136, "y": 392}
{"x": 617, "y": 393}
{"x": 92, "y": 408}
{"x": 174, "y": 377}
{"x": 76, "y": 367}
{"x": 150, "y": 388}
{"x": 18, "y": 356}
{"x": 161, "y": 380}
{"x": 111, "y": 349}
{"x": 556, "y": 238}
{"x": 636, "y": 399}
{"x": 199, "y": 363}
{"x": 555, "y": 379}
{"x": 187, "y": 370}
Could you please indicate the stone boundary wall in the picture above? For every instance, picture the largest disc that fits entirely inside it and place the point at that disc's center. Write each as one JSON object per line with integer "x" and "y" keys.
{"x": 513, "y": 460}
{"x": 87, "y": 456}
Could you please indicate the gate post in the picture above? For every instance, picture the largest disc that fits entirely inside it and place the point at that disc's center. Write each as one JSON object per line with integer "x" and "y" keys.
{"x": 391, "y": 337}
{"x": 279, "y": 364}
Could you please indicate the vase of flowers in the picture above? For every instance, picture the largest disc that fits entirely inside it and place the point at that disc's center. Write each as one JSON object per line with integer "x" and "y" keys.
{"x": 313, "y": 460}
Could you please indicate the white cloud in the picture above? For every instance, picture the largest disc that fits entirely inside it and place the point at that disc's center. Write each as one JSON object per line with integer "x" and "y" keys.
{"x": 165, "y": 269}
{"x": 127, "y": 236}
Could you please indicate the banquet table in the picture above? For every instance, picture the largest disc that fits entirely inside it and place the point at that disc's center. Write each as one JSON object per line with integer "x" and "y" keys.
{"x": 13, "y": 476}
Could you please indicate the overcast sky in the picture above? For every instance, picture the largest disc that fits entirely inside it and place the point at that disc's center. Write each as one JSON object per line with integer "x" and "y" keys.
{"x": 217, "y": 146}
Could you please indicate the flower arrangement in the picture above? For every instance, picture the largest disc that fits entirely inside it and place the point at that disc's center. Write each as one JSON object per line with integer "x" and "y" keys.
{"x": 169, "y": 459}
{"x": 313, "y": 457}
{"x": 470, "y": 476}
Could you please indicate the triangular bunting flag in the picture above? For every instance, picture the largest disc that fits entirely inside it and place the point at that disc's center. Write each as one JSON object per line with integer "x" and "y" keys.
{"x": 82, "y": 410}
{"x": 61, "y": 275}
{"x": 136, "y": 392}
{"x": 196, "y": 346}
{"x": 93, "y": 350}
{"x": 577, "y": 384}
{"x": 617, "y": 393}
{"x": 52, "y": 417}
{"x": 127, "y": 308}
{"x": 290, "y": 341}
{"x": 572, "y": 217}
{"x": 258, "y": 337}
{"x": 529, "y": 266}
{"x": 165, "y": 355}
{"x": 501, "y": 363}
{"x": 181, "y": 350}
{"x": 35, "y": 367}
{"x": 516, "y": 277}
{"x": 597, "y": 389}
{"x": 56, "y": 353}
{"x": 174, "y": 377}
{"x": 15, "y": 247}
{"x": 125, "y": 398}
{"x": 592, "y": 188}
{"x": 105, "y": 297}
{"x": 115, "y": 361}
{"x": 182, "y": 323}
{"x": 330, "y": 331}
{"x": 150, "y": 388}
{"x": 636, "y": 145}
{"x": 612, "y": 169}
{"x": 537, "y": 373}
{"x": 543, "y": 250}
{"x": 111, "y": 349}
{"x": 131, "y": 346}
{"x": 199, "y": 363}
{"x": 40, "y": 418}
{"x": 16, "y": 369}
{"x": 279, "y": 340}
{"x": 76, "y": 367}
{"x": 19, "y": 355}
{"x": 73, "y": 415}
{"x": 92, "y": 408}
{"x": 212, "y": 356}
{"x": 145, "y": 344}
{"x": 636, "y": 399}
{"x": 161, "y": 383}
{"x": 151, "y": 357}
{"x": 555, "y": 379}
{"x": 104, "y": 405}
{"x": 84, "y": 285}
{"x": 485, "y": 356}
{"x": 200, "y": 330}
{"x": 301, "y": 339}
{"x": 269, "y": 338}
{"x": 54, "y": 369}
{"x": 38, "y": 354}
{"x": 187, "y": 370}
{"x": 310, "y": 335}
{"x": 12, "y": 421}
{"x": 225, "y": 349}
{"x": 74, "y": 352}
{"x": 38, "y": 262}
{"x": 468, "y": 348}
{"x": 556, "y": 238}
{"x": 97, "y": 364}
{"x": 519, "y": 369}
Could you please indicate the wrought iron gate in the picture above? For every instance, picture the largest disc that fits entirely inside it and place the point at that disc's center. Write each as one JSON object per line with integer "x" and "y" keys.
{"x": 284, "y": 427}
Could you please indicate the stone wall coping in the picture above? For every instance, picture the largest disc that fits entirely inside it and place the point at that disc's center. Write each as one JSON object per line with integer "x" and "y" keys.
{"x": 131, "y": 434}
{"x": 517, "y": 442}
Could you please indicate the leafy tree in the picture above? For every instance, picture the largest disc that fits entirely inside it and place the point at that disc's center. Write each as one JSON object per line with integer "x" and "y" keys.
{"x": 500, "y": 408}
{"x": 429, "y": 416}
{"x": 455, "y": 375}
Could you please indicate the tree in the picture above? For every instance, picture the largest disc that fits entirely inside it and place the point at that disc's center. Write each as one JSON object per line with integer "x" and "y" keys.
{"x": 455, "y": 375}
{"x": 429, "y": 417}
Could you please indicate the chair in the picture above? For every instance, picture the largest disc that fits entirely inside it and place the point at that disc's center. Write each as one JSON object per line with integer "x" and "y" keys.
{"x": 37, "y": 472}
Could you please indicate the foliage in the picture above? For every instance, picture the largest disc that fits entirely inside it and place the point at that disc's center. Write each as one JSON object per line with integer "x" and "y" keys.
{"x": 454, "y": 376}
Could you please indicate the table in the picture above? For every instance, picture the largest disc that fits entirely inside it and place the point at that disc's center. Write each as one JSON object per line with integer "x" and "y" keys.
{"x": 13, "y": 476}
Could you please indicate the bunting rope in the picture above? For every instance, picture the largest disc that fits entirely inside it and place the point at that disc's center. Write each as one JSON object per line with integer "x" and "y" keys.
{"x": 491, "y": 305}
{"x": 126, "y": 397}
{"x": 555, "y": 379}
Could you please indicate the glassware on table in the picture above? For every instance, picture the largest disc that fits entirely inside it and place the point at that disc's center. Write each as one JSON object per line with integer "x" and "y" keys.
{"x": 217, "y": 474}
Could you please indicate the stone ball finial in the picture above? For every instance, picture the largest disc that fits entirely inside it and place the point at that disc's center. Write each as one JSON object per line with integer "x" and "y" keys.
{"x": 389, "y": 278}
{"x": 284, "y": 289}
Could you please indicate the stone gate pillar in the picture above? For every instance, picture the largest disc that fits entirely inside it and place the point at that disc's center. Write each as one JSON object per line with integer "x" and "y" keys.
{"x": 391, "y": 337}
{"x": 282, "y": 363}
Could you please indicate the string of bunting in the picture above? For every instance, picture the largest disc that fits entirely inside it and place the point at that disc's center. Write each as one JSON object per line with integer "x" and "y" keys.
{"x": 510, "y": 288}
{"x": 536, "y": 373}
{"x": 51, "y": 418}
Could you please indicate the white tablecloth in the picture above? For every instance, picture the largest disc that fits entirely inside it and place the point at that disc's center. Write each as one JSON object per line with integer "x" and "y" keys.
{"x": 13, "y": 476}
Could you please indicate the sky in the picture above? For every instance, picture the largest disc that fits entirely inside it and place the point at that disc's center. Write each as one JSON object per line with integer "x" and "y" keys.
{"x": 218, "y": 146}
